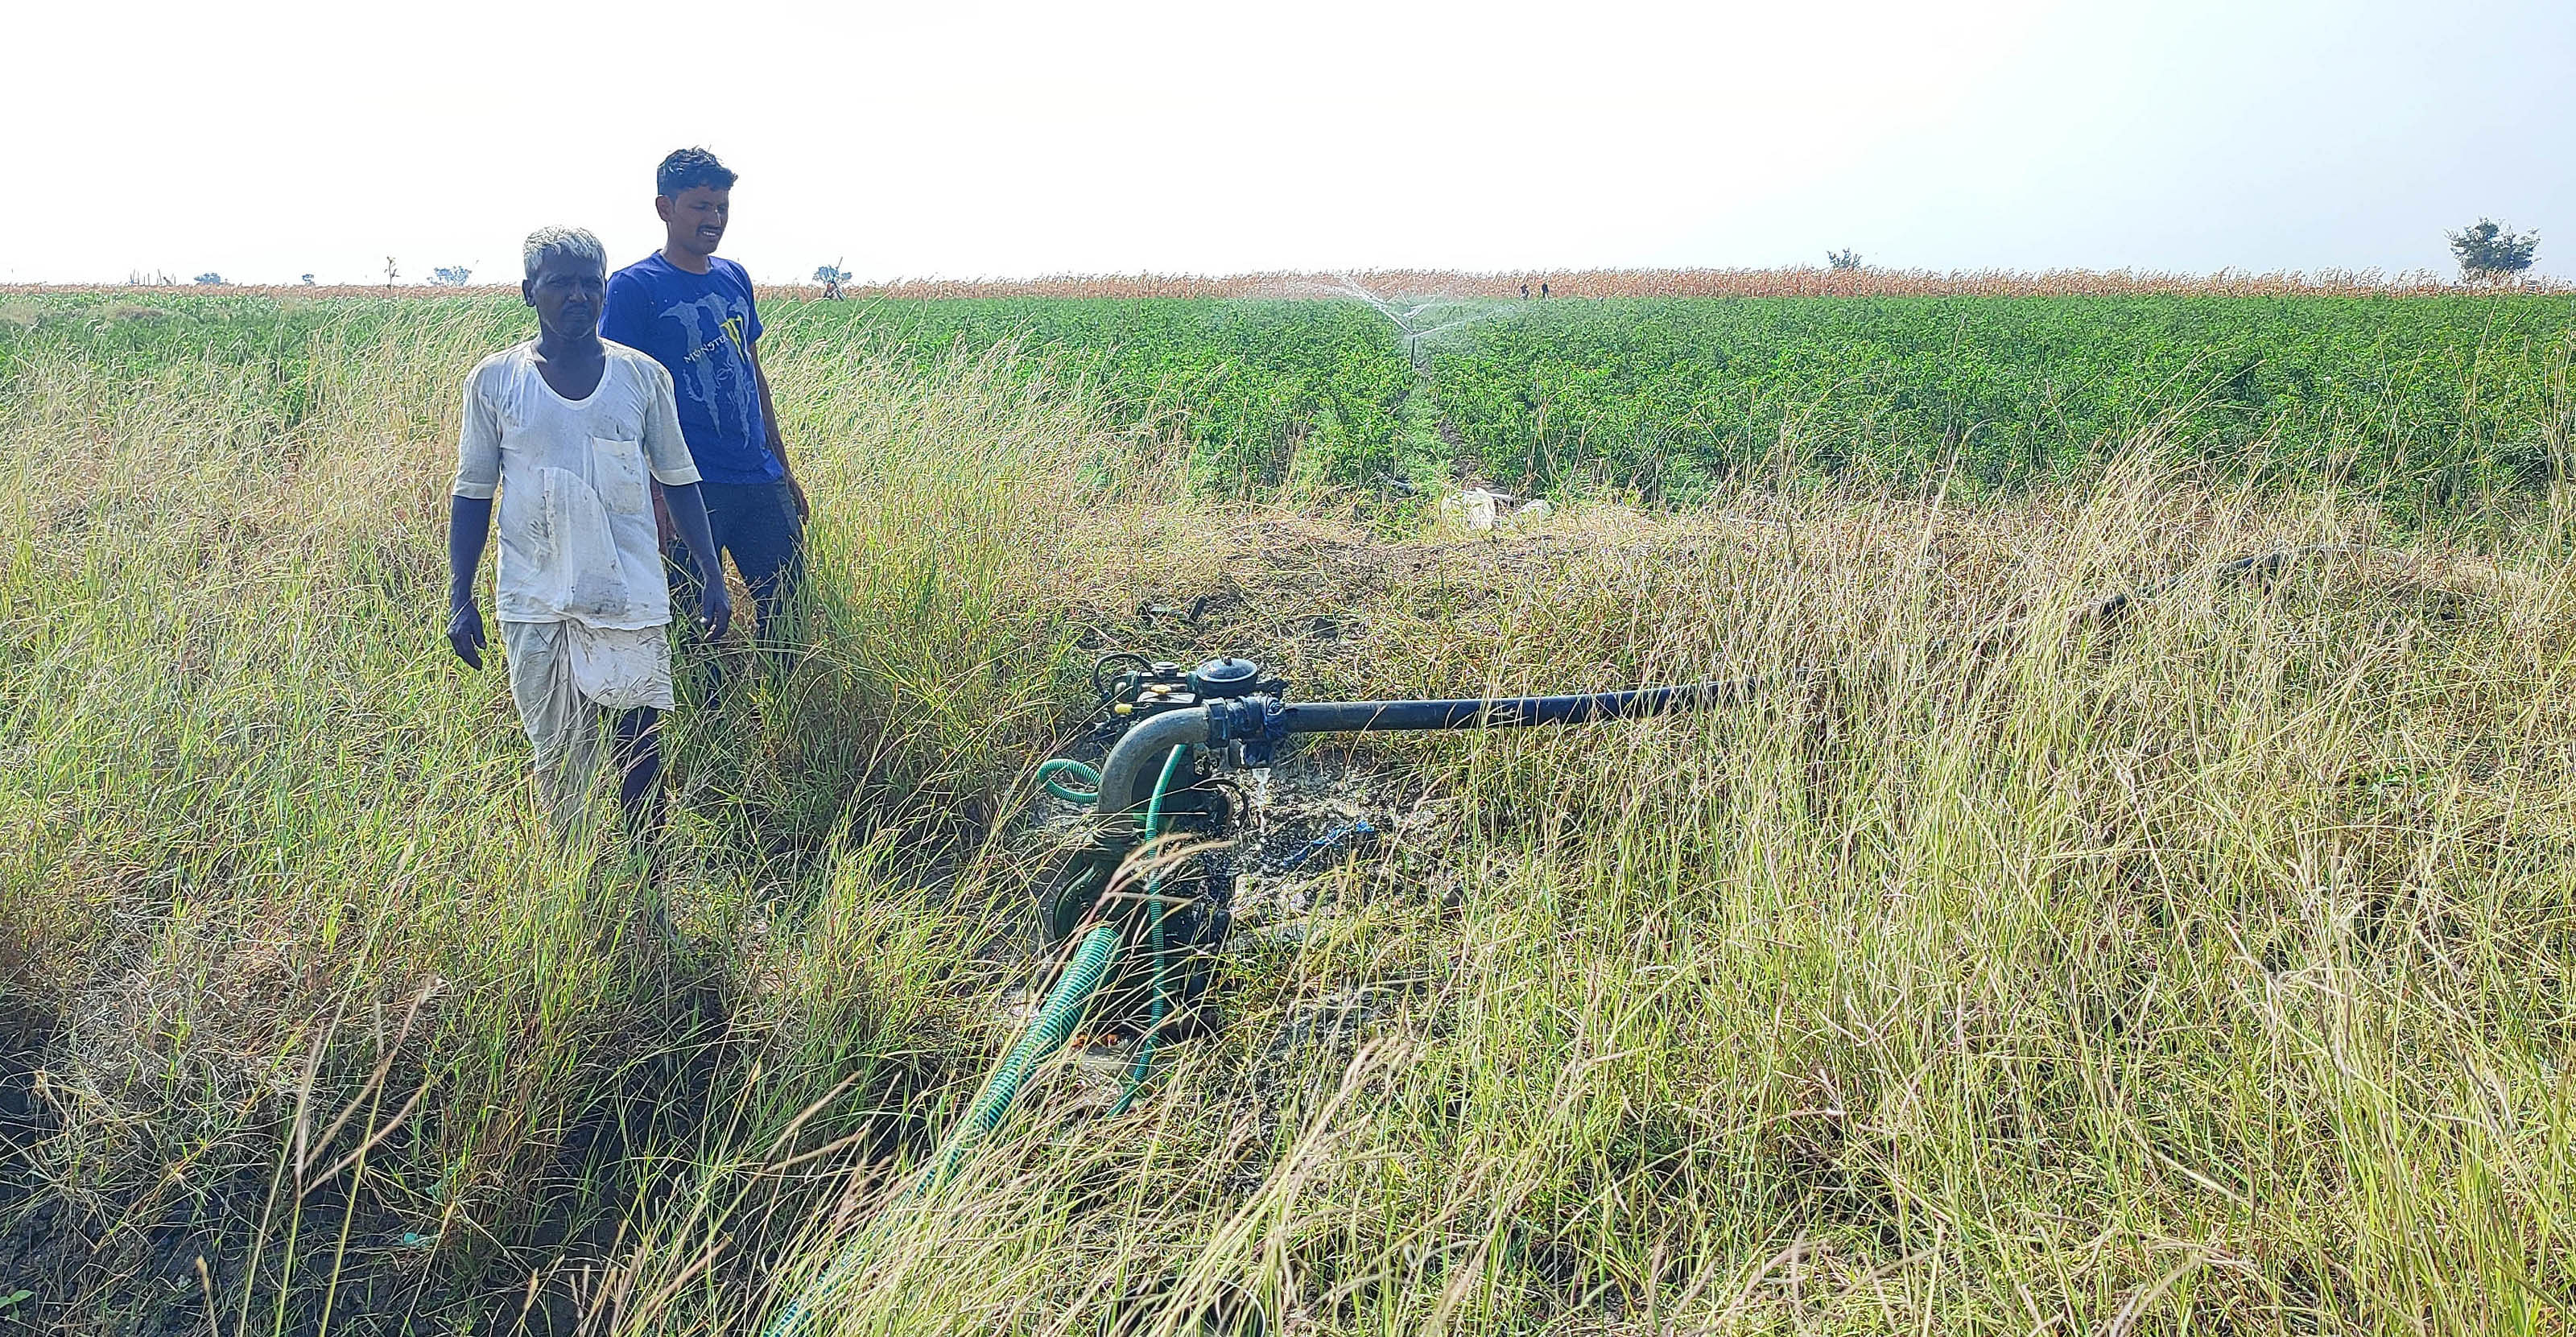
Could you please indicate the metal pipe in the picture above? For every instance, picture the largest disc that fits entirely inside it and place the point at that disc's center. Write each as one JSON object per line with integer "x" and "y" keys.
{"x": 1140, "y": 754}
{"x": 1138, "y": 757}
{"x": 1509, "y": 712}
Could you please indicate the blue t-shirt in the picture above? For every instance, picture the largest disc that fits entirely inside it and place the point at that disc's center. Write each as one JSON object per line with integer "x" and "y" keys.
{"x": 701, "y": 327}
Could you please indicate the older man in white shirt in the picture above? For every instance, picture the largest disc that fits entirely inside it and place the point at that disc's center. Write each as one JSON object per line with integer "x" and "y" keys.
{"x": 565, "y": 427}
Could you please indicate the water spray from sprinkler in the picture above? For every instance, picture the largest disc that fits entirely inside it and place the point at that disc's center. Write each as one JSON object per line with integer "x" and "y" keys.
{"x": 1420, "y": 321}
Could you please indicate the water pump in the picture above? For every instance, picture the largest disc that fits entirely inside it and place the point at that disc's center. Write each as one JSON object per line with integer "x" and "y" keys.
{"x": 1227, "y": 715}
{"x": 1190, "y": 874}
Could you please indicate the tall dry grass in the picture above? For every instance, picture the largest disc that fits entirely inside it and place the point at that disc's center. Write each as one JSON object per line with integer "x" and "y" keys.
{"x": 2203, "y": 973}
{"x": 257, "y": 817}
{"x": 2206, "y": 971}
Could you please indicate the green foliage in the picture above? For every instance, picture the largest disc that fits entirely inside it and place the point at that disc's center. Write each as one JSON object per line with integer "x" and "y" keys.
{"x": 2428, "y": 400}
{"x": 1266, "y": 394}
{"x": 2490, "y": 250}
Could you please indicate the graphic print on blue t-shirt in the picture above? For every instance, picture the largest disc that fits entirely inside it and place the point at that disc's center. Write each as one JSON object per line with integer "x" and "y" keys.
{"x": 700, "y": 327}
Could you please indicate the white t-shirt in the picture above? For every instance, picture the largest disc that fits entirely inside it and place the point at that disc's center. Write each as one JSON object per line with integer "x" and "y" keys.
{"x": 576, "y": 522}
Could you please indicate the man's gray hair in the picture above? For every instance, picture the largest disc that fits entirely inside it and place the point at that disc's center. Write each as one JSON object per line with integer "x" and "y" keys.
{"x": 576, "y": 242}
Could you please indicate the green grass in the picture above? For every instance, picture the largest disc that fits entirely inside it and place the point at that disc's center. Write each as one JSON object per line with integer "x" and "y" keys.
{"x": 2206, "y": 973}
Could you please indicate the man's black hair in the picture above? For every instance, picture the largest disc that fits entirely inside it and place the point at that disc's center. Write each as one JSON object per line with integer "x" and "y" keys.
{"x": 690, "y": 167}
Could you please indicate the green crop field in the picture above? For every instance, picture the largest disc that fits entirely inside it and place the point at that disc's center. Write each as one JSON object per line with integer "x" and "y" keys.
{"x": 2427, "y": 402}
{"x": 1265, "y": 393}
{"x": 2420, "y": 400}
{"x": 2001, "y": 966}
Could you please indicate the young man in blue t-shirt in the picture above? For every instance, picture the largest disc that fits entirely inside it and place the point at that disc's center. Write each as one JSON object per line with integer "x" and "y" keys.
{"x": 693, "y": 313}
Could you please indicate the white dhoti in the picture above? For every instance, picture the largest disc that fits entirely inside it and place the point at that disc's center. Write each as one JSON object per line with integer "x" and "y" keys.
{"x": 562, "y": 675}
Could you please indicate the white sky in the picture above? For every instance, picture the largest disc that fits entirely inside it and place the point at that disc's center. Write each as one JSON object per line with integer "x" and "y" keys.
{"x": 266, "y": 139}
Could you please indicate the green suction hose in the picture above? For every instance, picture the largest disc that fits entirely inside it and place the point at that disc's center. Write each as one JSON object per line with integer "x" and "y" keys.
{"x": 1055, "y": 1021}
{"x": 1154, "y": 918}
{"x": 1049, "y": 769}
{"x": 1061, "y": 1012}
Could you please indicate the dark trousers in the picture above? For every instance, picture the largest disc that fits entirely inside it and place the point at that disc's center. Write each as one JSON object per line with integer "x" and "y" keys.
{"x": 756, "y": 525}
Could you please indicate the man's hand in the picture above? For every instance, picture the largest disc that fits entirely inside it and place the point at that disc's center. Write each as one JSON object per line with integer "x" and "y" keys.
{"x": 716, "y": 608}
{"x": 465, "y": 632}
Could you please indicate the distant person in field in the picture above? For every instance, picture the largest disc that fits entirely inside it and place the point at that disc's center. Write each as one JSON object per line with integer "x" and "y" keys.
{"x": 693, "y": 313}
{"x": 571, "y": 431}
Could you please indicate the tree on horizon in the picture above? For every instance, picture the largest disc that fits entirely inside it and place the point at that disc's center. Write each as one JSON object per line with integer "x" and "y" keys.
{"x": 2490, "y": 252}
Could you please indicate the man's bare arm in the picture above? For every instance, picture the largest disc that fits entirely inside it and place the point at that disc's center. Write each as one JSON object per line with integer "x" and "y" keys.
{"x": 469, "y": 527}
